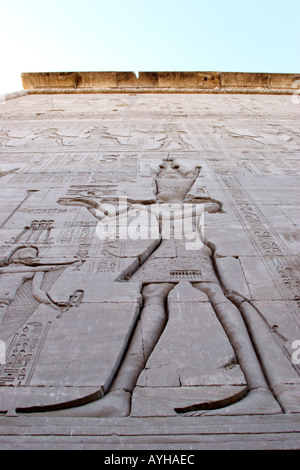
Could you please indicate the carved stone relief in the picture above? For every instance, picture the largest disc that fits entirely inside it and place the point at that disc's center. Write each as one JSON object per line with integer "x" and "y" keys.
{"x": 149, "y": 266}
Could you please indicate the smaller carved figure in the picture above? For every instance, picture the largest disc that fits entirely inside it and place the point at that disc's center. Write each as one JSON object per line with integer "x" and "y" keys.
{"x": 21, "y": 266}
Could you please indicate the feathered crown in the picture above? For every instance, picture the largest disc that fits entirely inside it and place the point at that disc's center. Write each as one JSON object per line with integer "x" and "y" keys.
{"x": 172, "y": 182}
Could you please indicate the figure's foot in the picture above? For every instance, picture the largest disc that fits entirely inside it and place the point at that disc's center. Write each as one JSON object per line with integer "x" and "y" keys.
{"x": 258, "y": 401}
{"x": 115, "y": 404}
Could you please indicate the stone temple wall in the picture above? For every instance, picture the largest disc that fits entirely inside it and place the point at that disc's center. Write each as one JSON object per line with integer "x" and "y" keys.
{"x": 149, "y": 270}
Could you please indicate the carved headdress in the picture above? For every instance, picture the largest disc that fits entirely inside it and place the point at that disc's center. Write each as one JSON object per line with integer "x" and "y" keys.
{"x": 174, "y": 183}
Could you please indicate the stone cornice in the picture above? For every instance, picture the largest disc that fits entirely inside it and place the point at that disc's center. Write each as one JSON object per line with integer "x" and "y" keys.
{"x": 160, "y": 82}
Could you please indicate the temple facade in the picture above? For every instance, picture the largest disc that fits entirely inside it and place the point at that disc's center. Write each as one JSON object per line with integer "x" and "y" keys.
{"x": 149, "y": 237}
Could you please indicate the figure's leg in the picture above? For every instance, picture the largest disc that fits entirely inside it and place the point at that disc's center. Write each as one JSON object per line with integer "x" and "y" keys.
{"x": 152, "y": 321}
{"x": 151, "y": 324}
{"x": 259, "y": 397}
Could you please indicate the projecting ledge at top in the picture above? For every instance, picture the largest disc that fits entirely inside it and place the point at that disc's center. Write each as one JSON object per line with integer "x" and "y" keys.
{"x": 160, "y": 82}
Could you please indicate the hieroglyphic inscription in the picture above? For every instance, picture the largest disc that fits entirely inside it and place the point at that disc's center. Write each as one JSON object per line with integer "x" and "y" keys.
{"x": 105, "y": 266}
{"x": 58, "y": 178}
{"x": 49, "y": 211}
{"x": 101, "y": 191}
{"x": 107, "y": 260}
{"x": 23, "y": 354}
{"x": 79, "y": 232}
{"x": 264, "y": 238}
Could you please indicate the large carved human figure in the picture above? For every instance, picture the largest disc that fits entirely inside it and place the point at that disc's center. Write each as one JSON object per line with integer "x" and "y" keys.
{"x": 173, "y": 184}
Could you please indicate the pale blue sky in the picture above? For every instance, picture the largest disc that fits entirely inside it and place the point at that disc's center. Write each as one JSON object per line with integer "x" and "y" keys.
{"x": 152, "y": 35}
